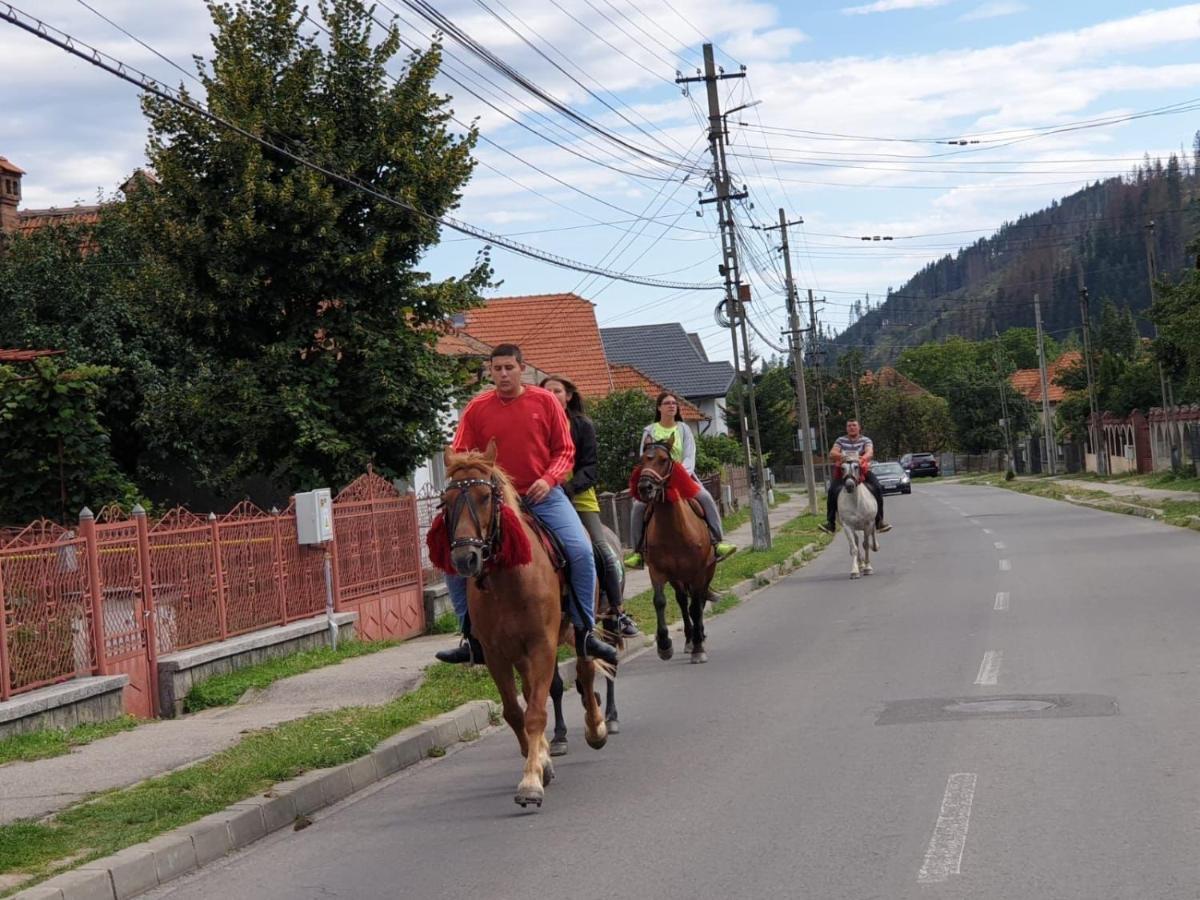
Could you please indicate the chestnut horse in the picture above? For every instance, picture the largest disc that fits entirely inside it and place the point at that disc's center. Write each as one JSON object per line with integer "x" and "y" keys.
{"x": 678, "y": 546}
{"x": 514, "y": 595}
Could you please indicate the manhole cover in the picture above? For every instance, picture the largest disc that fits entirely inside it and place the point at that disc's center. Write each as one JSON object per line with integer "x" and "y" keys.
{"x": 998, "y": 706}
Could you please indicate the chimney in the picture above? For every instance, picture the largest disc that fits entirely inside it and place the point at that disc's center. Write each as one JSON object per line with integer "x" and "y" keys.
{"x": 10, "y": 195}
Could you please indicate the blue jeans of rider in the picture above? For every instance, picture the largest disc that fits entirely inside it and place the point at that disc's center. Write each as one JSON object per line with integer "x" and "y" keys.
{"x": 560, "y": 517}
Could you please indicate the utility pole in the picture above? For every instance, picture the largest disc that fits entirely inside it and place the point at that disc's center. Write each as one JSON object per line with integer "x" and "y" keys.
{"x": 854, "y": 388}
{"x": 797, "y": 348}
{"x": 818, "y": 359}
{"x": 736, "y": 294}
{"x": 1163, "y": 384}
{"x": 1094, "y": 420}
{"x": 1008, "y": 444}
{"x": 1047, "y": 425}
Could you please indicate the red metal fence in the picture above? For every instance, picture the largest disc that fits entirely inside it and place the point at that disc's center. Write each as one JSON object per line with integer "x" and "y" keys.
{"x": 120, "y": 592}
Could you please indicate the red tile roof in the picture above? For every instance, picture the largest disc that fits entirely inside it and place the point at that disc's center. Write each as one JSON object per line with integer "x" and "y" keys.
{"x": 556, "y": 332}
{"x": 30, "y": 220}
{"x": 13, "y": 356}
{"x": 1029, "y": 381}
{"x": 889, "y": 378}
{"x": 458, "y": 344}
{"x": 627, "y": 378}
{"x": 10, "y": 167}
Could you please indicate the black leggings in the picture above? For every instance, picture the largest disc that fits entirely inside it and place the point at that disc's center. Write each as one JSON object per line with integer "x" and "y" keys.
{"x": 835, "y": 488}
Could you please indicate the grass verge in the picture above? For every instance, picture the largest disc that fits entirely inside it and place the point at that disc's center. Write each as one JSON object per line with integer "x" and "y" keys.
{"x": 122, "y": 818}
{"x": 788, "y": 540}
{"x": 227, "y": 689}
{"x": 57, "y": 741}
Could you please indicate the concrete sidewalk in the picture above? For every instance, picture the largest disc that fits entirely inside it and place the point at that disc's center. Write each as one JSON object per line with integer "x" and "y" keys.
{"x": 1128, "y": 490}
{"x": 34, "y": 789}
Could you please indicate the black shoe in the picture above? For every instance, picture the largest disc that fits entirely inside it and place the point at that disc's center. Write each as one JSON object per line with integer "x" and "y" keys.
{"x": 827, "y": 527}
{"x": 628, "y": 626}
{"x": 588, "y": 646}
{"x": 470, "y": 651}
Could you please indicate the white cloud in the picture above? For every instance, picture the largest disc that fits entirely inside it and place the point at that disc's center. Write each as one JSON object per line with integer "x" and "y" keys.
{"x": 994, "y": 10}
{"x": 891, "y": 5}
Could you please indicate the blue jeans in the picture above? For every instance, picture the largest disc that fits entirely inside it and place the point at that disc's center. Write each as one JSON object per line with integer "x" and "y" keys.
{"x": 560, "y": 517}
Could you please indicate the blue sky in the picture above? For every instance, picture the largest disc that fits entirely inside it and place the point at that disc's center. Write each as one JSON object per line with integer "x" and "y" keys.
{"x": 892, "y": 73}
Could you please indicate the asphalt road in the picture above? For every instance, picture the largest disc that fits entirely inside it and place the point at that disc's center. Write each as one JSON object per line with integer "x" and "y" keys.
{"x": 789, "y": 767}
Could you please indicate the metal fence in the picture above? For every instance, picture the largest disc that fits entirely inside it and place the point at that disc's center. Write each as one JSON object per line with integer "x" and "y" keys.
{"x": 122, "y": 590}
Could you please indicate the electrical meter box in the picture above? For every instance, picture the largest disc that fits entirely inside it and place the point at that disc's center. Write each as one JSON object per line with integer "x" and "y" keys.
{"x": 314, "y": 516}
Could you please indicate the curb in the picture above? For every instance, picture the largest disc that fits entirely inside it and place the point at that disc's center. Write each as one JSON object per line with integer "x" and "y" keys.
{"x": 768, "y": 576}
{"x": 143, "y": 867}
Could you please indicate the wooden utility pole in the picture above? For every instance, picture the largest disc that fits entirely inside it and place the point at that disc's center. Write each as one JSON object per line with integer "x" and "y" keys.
{"x": 818, "y": 358}
{"x": 1047, "y": 425}
{"x": 1164, "y": 385}
{"x": 1002, "y": 381}
{"x": 795, "y": 344}
{"x": 736, "y": 295}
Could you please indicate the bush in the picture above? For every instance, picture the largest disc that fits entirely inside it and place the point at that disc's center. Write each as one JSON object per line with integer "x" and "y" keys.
{"x": 620, "y": 419}
{"x": 714, "y": 451}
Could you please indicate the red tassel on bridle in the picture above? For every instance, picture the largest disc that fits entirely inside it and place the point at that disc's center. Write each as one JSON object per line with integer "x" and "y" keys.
{"x": 438, "y": 542}
{"x": 514, "y": 549}
{"x": 680, "y": 485}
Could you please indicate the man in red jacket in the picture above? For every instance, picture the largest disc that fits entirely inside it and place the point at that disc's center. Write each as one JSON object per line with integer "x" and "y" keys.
{"x": 533, "y": 445}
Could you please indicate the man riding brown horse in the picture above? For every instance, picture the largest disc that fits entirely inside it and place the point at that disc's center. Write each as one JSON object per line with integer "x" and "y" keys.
{"x": 533, "y": 446}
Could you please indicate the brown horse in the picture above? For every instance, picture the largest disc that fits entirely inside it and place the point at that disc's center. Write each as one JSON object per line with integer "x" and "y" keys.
{"x": 515, "y": 607}
{"x": 678, "y": 546}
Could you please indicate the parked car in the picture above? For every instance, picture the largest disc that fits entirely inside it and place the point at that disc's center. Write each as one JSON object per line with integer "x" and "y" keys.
{"x": 892, "y": 477}
{"x": 918, "y": 464}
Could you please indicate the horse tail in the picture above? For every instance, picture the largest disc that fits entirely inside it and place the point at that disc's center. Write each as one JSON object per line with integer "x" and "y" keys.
{"x": 608, "y": 670}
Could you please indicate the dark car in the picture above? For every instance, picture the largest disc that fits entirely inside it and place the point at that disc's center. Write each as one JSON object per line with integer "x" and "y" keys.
{"x": 919, "y": 464}
{"x": 892, "y": 477}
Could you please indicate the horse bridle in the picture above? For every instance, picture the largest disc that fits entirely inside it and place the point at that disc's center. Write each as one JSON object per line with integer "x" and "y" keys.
{"x": 650, "y": 474}
{"x": 485, "y": 545}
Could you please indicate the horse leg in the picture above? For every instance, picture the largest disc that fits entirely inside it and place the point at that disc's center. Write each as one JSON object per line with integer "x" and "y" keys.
{"x": 697, "y": 610}
{"x": 506, "y": 684}
{"x": 662, "y": 636}
{"x": 868, "y": 540}
{"x": 536, "y": 673}
{"x": 689, "y": 633}
{"x": 610, "y": 707}
{"x": 558, "y": 746}
{"x": 852, "y": 538}
{"x": 594, "y": 729}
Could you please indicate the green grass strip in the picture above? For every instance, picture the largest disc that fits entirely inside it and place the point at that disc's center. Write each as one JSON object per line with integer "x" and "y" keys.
{"x": 129, "y": 816}
{"x": 227, "y": 689}
{"x": 57, "y": 741}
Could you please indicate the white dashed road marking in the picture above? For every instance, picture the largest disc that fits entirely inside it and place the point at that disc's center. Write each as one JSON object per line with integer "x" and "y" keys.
{"x": 1005, "y": 565}
{"x": 944, "y": 856}
{"x": 1001, "y": 601}
{"x": 987, "y": 531}
{"x": 989, "y": 669}
{"x": 999, "y": 545}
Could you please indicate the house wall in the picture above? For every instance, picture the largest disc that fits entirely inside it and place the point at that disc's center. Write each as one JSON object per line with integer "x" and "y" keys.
{"x": 714, "y": 408}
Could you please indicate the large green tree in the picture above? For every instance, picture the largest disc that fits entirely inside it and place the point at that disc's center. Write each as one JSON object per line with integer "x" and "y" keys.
{"x": 619, "y": 418}
{"x": 307, "y": 322}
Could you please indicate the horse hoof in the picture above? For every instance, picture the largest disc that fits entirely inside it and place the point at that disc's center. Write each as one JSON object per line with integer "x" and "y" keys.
{"x": 855, "y": 575}
{"x": 665, "y": 653}
{"x": 868, "y": 571}
{"x": 529, "y": 795}
{"x": 687, "y": 648}
{"x": 700, "y": 657}
{"x": 558, "y": 748}
{"x": 598, "y": 742}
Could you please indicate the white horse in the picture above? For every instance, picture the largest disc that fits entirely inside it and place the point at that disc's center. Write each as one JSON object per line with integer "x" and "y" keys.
{"x": 856, "y": 508}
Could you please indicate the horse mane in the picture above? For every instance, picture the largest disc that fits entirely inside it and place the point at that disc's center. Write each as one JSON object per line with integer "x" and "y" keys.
{"x": 478, "y": 460}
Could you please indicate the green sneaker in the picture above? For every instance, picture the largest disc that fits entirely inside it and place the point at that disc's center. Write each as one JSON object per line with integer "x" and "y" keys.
{"x": 724, "y": 551}
{"x": 634, "y": 561}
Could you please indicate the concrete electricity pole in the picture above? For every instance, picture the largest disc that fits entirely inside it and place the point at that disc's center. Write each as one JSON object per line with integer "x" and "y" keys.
{"x": 796, "y": 346}
{"x": 822, "y": 429}
{"x": 1047, "y": 425}
{"x": 736, "y": 294}
{"x": 1094, "y": 421}
{"x": 1002, "y": 379}
{"x": 1164, "y": 385}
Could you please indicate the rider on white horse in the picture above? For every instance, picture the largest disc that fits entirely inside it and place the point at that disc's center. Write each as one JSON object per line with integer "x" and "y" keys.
{"x": 854, "y": 441}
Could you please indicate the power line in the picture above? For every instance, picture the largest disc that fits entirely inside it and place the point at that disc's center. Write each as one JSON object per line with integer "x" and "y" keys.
{"x": 139, "y": 79}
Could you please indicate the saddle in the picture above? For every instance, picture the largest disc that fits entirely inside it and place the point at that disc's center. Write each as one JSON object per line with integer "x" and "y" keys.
{"x": 550, "y": 541}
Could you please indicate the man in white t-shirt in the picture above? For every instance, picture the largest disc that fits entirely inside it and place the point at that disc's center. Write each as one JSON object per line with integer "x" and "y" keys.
{"x": 853, "y": 441}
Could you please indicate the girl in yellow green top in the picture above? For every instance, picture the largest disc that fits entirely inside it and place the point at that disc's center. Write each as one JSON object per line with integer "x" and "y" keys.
{"x": 684, "y": 453}
{"x": 581, "y": 488}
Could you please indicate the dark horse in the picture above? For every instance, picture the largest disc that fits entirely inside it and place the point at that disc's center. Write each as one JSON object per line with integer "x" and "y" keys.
{"x": 514, "y": 595}
{"x": 607, "y": 618}
{"x": 678, "y": 545}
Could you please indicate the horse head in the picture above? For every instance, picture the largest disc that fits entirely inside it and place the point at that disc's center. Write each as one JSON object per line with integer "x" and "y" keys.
{"x": 657, "y": 465}
{"x": 851, "y": 472}
{"x": 477, "y": 487}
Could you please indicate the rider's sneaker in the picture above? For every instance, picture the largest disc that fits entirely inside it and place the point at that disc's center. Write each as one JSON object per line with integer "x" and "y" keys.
{"x": 827, "y": 528}
{"x": 883, "y": 527}
{"x": 724, "y": 551}
{"x": 634, "y": 561}
{"x": 628, "y": 626}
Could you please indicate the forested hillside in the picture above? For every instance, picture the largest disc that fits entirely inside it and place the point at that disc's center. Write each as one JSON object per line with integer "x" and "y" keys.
{"x": 1101, "y": 230}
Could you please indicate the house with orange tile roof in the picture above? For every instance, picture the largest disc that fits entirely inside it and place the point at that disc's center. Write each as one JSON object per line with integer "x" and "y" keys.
{"x": 629, "y": 378}
{"x": 1028, "y": 382}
